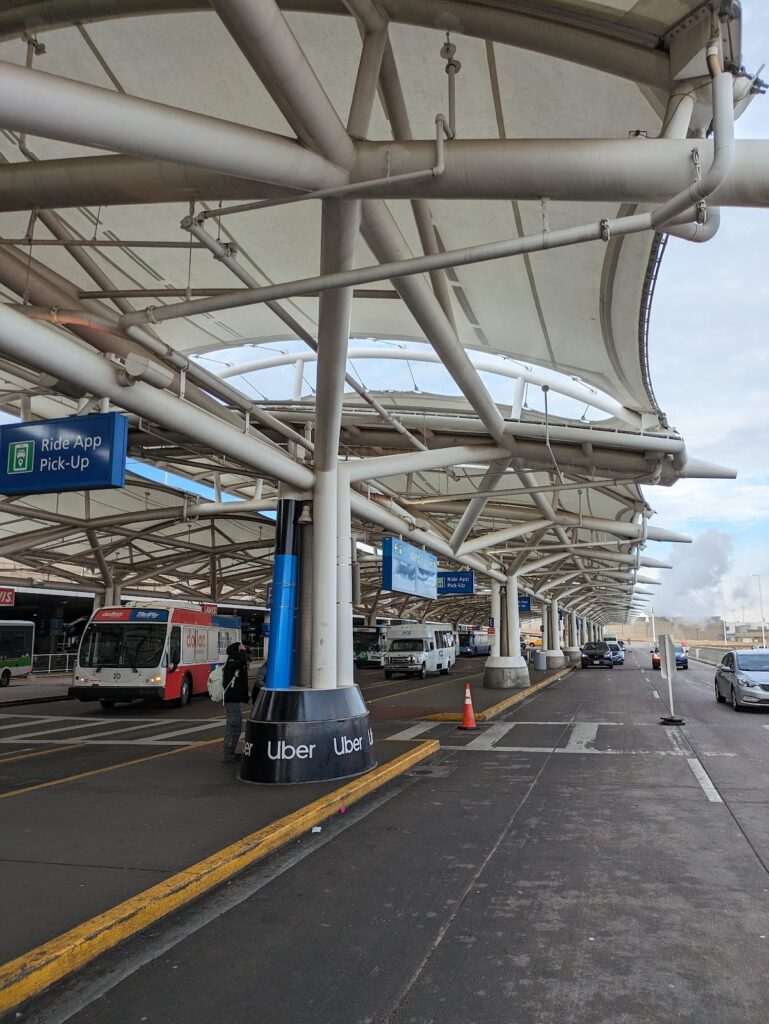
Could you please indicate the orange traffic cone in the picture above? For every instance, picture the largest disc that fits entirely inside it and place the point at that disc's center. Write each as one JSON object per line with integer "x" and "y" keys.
{"x": 468, "y": 718}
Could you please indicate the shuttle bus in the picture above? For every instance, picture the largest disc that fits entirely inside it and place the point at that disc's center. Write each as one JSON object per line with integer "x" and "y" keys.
{"x": 474, "y": 641}
{"x": 369, "y": 646}
{"x": 151, "y": 652}
{"x": 419, "y": 648}
{"x": 17, "y": 643}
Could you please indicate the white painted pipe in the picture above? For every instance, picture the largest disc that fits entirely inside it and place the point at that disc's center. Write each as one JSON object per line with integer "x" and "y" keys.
{"x": 496, "y": 615}
{"x": 58, "y": 108}
{"x": 414, "y": 462}
{"x": 36, "y": 345}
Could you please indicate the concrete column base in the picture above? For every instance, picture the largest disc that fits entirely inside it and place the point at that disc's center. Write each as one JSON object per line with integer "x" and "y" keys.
{"x": 572, "y": 655}
{"x": 555, "y": 659}
{"x": 506, "y": 674}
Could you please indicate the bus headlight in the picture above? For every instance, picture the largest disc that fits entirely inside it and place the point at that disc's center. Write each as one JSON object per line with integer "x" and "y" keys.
{"x": 157, "y": 679}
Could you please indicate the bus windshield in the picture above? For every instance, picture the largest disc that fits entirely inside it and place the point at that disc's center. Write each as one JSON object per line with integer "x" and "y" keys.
{"x": 123, "y": 645}
{"x": 366, "y": 642}
{"x": 465, "y": 638}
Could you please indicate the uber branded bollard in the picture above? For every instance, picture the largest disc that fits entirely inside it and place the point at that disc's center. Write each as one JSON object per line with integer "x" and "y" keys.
{"x": 296, "y": 734}
{"x": 303, "y": 735}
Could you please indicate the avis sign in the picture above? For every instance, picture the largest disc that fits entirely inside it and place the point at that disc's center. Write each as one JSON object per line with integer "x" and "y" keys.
{"x": 73, "y": 454}
{"x": 7, "y": 597}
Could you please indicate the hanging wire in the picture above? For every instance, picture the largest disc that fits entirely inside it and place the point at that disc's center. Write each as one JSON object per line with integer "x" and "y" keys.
{"x": 413, "y": 378}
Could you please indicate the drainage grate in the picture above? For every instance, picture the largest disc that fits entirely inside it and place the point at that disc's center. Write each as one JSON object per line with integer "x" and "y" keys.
{"x": 435, "y": 771}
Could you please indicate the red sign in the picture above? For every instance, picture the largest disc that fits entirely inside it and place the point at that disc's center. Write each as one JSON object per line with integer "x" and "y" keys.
{"x": 7, "y": 596}
{"x": 113, "y": 614}
{"x": 210, "y": 609}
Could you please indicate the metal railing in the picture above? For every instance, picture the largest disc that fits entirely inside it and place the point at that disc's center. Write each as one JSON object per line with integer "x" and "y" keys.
{"x": 53, "y": 664}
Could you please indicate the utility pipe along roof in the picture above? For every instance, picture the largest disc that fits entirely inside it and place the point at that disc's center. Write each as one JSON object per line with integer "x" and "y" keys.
{"x": 156, "y": 160}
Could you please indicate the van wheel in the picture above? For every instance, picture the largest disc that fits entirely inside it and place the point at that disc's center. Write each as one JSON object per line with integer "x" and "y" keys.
{"x": 185, "y": 693}
{"x": 444, "y": 671}
{"x": 388, "y": 675}
{"x": 107, "y": 704}
{"x": 423, "y": 671}
{"x": 5, "y": 678}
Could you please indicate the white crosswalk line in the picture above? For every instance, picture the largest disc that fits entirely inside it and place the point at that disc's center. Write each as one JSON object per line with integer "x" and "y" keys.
{"x": 53, "y": 730}
{"x": 489, "y": 737}
{"x": 583, "y": 736}
{"x": 414, "y": 730}
{"x": 704, "y": 780}
{"x": 219, "y": 724}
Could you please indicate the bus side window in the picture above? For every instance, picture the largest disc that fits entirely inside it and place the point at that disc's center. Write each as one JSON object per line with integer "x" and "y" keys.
{"x": 175, "y": 647}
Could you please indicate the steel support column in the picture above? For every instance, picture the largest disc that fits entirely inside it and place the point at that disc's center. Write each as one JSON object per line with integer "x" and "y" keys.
{"x": 340, "y": 225}
{"x": 555, "y": 658}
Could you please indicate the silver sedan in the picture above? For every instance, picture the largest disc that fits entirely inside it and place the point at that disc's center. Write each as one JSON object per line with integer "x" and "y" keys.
{"x": 742, "y": 678}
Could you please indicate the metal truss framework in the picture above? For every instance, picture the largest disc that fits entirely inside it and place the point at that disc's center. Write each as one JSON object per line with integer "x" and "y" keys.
{"x": 546, "y": 505}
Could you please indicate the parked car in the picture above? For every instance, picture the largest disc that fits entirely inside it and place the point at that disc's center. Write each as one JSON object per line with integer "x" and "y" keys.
{"x": 596, "y": 654}
{"x": 682, "y": 656}
{"x": 742, "y": 678}
{"x": 617, "y": 653}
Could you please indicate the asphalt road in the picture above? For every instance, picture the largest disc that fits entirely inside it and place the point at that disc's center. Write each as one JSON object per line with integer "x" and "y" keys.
{"x": 576, "y": 861}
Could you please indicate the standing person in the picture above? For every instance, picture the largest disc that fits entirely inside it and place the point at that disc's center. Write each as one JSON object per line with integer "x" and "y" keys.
{"x": 235, "y": 681}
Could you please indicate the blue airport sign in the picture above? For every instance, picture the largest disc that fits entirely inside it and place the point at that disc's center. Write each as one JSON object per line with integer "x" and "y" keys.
{"x": 455, "y": 583}
{"x": 73, "y": 454}
{"x": 524, "y": 603}
{"x": 408, "y": 570}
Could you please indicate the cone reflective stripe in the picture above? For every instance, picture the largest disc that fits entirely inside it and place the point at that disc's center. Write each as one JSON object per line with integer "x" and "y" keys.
{"x": 468, "y": 717}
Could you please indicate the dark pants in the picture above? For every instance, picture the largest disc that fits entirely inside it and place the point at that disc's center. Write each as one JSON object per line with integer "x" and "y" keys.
{"x": 232, "y": 729}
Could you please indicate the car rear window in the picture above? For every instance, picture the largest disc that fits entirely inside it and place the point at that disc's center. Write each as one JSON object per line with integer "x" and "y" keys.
{"x": 753, "y": 662}
{"x": 596, "y": 646}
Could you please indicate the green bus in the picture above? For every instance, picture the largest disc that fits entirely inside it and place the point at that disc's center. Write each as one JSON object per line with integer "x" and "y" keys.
{"x": 17, "y": 642}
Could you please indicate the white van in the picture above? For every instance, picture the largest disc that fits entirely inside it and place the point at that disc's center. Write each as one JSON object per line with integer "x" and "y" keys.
{"x": 419, "y": 648}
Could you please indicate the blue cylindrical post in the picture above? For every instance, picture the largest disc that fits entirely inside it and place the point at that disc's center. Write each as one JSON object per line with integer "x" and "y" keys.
{"x": 284, "y": 592}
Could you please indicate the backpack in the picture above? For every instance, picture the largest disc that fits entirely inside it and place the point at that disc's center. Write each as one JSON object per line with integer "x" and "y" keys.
{"x": 216, "y": 684}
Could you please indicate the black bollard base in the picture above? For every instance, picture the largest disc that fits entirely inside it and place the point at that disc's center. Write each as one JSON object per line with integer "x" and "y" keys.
{"x": 302, "y": 735}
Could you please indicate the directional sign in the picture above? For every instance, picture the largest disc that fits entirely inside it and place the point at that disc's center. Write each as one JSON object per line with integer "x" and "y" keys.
{"x": 408, "y": 570}
{"x": 524, "y": 603}
{"x": 73, "y": 454}
{"x": 455, "y": 583}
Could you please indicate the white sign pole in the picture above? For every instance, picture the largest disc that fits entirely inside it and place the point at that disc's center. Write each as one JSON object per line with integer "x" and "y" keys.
{"x": 668, "y": 669}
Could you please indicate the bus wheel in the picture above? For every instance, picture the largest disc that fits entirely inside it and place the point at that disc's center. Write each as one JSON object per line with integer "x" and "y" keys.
{"x": 185, "y": 693}
{"x": 107, "y": 704}
{"x": 5, "y": 678}
{"x": 388, "y": 675}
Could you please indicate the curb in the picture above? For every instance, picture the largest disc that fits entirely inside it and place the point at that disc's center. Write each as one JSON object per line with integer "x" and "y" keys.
{"x": 31, "y": 973}
{"x": 34, "y": 700}
{"x": 502, "y": 705}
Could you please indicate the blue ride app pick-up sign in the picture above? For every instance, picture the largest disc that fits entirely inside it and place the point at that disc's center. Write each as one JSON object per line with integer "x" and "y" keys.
{"x": 72, "y": 454}
{"x": 455, "y": 583}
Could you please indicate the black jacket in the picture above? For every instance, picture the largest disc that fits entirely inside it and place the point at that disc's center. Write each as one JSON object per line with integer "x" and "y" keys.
{"x": 236, "y": 676}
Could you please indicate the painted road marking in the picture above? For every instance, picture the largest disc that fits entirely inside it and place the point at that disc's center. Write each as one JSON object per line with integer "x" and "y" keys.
{"x": 217, "y": 724}
{"x": 34, "y": 971}
{"x": 489, "y": 737}
{"x": 583, "y": 737}
{"x": 414, "y": 730}
{"x": 100, "y": 771}
{"x": 656, "y": 695}
{"x": 704, "y": 780}
{"x": 18, "y": 725}
{"x": 79, "y": 741}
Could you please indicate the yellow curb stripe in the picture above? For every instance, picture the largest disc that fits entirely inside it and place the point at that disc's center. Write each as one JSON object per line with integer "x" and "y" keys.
{"x": 106, "y": 768}
{"x": 503, "y": 705}
{"x": 39, "y": 753}
{"x": 33, "y": 972}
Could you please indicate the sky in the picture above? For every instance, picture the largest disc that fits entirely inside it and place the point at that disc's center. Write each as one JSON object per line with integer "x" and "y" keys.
{"x": 709, "y": 362}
